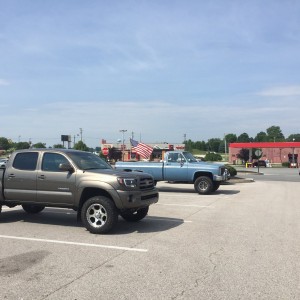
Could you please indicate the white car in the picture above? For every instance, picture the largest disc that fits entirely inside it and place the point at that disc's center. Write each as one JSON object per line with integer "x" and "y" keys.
{"x": 3, "y": 162}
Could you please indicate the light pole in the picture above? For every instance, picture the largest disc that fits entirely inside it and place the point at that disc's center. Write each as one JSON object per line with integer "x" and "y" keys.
{"x": 293, "y": 159}
{"x": 123, "y": 146}
{"x": 80, "y": 134}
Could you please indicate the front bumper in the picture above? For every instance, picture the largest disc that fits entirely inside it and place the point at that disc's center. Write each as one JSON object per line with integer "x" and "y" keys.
{"x": 137, "y": 199}
{"x": 224, "y": 177}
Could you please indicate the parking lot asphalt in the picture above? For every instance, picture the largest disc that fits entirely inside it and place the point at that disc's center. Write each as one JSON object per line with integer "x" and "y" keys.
{"x": 242, "y": 242}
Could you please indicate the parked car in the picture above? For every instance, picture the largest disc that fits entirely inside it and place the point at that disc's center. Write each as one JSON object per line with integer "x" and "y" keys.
{"x": 261, "y": 163}
{"x": 3, "y": 162}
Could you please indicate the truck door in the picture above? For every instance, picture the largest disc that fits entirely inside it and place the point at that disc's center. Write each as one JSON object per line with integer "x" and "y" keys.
{"x": 53, "y": 185}
{"x": 176, "y": 168}
{"x": 20, "y": 177}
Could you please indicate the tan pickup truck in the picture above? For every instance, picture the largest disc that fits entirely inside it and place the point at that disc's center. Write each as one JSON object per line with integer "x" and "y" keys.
{"x": 82, "y": 181}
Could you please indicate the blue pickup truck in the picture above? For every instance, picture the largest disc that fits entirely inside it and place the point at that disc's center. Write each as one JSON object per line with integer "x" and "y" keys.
{"x": 182, "y": 166}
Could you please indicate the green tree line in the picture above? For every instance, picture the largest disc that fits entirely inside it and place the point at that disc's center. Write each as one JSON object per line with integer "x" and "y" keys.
{"x": 218, "y": 145}
{"x": 272, "y": 134}
{"x": 10, "y": 146}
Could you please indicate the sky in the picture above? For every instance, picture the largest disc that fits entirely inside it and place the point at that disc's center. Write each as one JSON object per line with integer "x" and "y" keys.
{"x": 160, "y": 69}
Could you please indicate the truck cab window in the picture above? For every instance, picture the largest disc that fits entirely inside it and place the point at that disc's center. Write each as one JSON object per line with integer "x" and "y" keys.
{"x": 51, "y": 162}
{"x": 26, "y": 161}
{"x": 173, "y": 157}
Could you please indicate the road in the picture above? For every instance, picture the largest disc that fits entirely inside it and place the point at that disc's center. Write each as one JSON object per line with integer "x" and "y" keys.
{"x": 270, "y": 174}
{"x": 241, "y": 242}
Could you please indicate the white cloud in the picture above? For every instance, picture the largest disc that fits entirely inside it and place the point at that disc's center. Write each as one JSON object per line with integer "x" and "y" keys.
{"x": 4, "y": 82}
{"x": 281, "y": 91}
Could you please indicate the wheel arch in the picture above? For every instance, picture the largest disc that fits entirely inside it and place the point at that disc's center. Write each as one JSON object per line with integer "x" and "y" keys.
{"x": 90, "y": 192}
{"x": 198, "y": 174}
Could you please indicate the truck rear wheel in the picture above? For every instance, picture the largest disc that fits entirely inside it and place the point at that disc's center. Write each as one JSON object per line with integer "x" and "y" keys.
{"x": 135, "y": 216}
{"x": 99, "y": 214}
{"x": 203, "y": 185}
{"x": 32, "y": 209}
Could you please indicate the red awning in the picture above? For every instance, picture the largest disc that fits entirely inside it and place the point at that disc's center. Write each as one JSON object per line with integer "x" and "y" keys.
{"x": 265, "y": 145}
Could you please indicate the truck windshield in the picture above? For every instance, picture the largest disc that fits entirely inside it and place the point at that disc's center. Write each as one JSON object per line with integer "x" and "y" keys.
{"x": 88, "y": 161}
{"x": 189, "y": 157}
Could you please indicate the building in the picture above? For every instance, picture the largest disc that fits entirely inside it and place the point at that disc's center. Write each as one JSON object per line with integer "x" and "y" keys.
{"x": 125, "y": 152}
{"x": 274, "y": 152}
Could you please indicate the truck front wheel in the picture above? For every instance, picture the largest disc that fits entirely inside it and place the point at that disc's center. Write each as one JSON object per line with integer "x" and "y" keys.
{"x": 203, "y": 185}
{"x": 135, "y": 216}
{"x": 32, "y": 209}
{"x": 99, "y": 214}
{"x": 216, "y": 185}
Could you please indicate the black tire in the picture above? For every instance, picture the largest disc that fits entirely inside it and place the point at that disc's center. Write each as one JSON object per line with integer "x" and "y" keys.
{"x": 135, "y": 216}
{"x": 32, "y": 209}
{"x": 216, "y": 185}
{"x": 203, "y": 185}
{"x": 99, "y": 214}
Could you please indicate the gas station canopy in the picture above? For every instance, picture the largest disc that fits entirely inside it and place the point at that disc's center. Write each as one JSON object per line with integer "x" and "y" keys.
{"x": 265, "y": 145}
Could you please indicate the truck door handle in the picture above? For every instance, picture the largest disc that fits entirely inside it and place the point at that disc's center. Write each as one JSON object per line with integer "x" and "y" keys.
{"x": 11, "y": 175}
{"x": 42, "y": 177}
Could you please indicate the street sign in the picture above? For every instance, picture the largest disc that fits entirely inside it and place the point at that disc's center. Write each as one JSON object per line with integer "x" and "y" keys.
{"x": 258, "y": 153}
{"x": 105, "y": 151}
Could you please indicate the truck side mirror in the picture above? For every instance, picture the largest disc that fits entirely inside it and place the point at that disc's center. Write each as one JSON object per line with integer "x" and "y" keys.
{"x": 66, "y": 167}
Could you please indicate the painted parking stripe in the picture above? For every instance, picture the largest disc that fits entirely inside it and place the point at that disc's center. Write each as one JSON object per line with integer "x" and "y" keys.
{"x": 168, "y": 220}
{"x": 183, "y": 205}
{"x": 72, "y": 243}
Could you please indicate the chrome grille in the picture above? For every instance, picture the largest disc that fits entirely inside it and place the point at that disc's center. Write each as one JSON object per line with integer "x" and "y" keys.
{"x": 222, "y": 170}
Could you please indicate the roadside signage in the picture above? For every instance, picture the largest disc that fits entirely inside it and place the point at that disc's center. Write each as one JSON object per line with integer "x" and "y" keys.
{"x": 105, "y": 151}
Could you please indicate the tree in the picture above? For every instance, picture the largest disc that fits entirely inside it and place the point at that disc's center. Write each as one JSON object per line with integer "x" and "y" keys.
{"x": 230, "y": 138}
{"x": 213, "y": 145}
{"x": 58, "y": 146}
{"x": 243, "y": 154}
{"x": 39, "y": 145}
{"x": 189, "y": 145}
{"x": 261, "y": 137}
{"x": 4, "y": 143}
{"x": 293, "y": 138}
{"x": 22, "y": 145}
{"x": 200, "y": 145}
{"x": 275, "y": 134}
{"x": 243, "y": 138}
{"x": 81, "y": 146}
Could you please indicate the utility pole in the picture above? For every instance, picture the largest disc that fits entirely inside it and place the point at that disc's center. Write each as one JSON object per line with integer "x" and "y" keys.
{"x": 80, "y": 133}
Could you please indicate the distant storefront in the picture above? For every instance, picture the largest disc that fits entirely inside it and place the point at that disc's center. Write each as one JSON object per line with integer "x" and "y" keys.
{"x": 273, "y": 152}
{"x": 118, "y": 151}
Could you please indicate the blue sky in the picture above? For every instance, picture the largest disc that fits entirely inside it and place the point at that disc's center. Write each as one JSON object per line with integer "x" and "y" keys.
{"x": 160, "y": 69}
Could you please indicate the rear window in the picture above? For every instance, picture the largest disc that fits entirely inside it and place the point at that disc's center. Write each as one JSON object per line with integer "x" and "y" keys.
{"x": 26, "y": 161}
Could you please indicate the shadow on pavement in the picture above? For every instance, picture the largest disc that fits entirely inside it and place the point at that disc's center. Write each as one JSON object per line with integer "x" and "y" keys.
{"x": 66, "y": 217}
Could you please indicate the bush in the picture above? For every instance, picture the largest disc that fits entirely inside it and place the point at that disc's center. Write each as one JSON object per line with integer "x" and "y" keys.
{"x": 232, "y": 171}
{"x": 286, "y": 164}
{"x": 213, "y": 157}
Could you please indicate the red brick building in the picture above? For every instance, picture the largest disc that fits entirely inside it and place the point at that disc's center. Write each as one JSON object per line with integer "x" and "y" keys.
{"x": 274, "y": 152}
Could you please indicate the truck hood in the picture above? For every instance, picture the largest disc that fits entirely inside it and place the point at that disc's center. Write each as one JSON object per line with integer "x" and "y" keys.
{"x": 115, "y": 172}
{"x": 205, "y": 165}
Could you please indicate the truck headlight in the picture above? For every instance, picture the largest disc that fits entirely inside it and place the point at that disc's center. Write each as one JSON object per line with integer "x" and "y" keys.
{"x": 128, "y": 182}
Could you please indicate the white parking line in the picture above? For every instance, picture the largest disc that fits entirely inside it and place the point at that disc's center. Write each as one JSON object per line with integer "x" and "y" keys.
{"x": 183, "y": 205}
{"x": 170, "y": 220}
{"x": 72, "y": 243}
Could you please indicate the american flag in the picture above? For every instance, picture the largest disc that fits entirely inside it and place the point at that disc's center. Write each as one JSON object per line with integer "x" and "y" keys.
{"x": 141, "y": 148}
